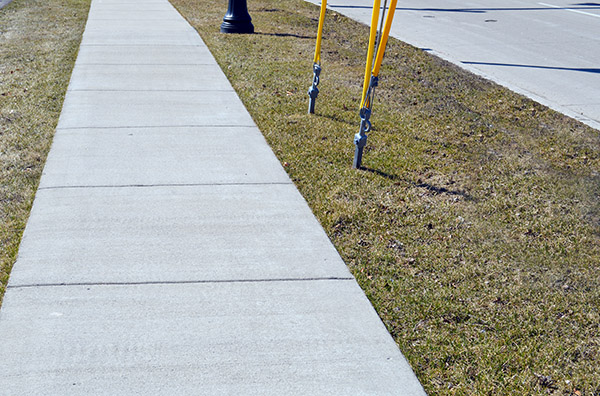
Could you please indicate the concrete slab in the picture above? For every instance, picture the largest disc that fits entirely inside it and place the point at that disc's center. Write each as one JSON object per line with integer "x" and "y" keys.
{"x": 110, "y": 109}
{"x": 124, "y": 32}
{"x": 144, "y": 55}
{"x": 141, "y": 2}
{"x": 265, "y": 338}
{"x": 585, "y": 108}
{"x": 151, "y": 156}
{"x": 169, "y": 24}
{"x": 137, "y": 2}
{"x": 134, "y": 15}
{"x": 131, "y": 6}
{"x": 4, "y": 3}
{"x": 149, "y": 77}
{"x": 173, "y": 233}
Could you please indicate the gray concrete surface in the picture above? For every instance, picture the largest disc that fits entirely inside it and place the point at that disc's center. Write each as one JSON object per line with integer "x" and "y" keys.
{"x": 148, "y": 78}
{"x": 255, "y": 338}
{"x": 167, "y": 251}
{"x": 122, "y": 109}
{"x": 547, "y": 51}
{"x": 4, "y": 3}
{"x": 144, "y": 55}
{"x": 207, "y": 232}
{"x": 163, "y": 156}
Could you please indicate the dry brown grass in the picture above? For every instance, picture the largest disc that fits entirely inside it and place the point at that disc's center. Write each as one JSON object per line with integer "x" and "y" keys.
{"x": 475, "y": 230}
{"x": 38, "y": 46}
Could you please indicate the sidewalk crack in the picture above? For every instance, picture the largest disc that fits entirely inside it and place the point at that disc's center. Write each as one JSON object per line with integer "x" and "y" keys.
{"x": 192, "y": 282}
{"x": 155, "y": 126}
{"x": 167, "y": 185}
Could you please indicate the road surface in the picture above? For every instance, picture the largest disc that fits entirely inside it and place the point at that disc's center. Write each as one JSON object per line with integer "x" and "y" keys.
{"x": 548, "y": 51}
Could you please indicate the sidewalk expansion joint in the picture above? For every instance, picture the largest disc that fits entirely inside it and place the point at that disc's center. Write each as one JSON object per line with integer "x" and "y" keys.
{"x": 156, "y": 126}
{"x": 166, "y": 19}
{"x": 167, "y": 185}
{"x": 143, "y": 45}
{"x": 151, "y": 90}
{"x": 145, "y": 64}
{"x": 184, "y": 282}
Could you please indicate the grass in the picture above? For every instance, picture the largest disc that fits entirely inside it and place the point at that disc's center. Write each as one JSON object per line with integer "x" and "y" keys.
{"x": 475, "y": 227}
{"x": 38, "y": 44}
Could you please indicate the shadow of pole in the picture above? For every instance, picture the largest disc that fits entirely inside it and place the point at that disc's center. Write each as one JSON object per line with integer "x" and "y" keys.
{"x": 576, "y": 69}
{"x": 286, "y": 35}
{"x": 582, "y": 6}
{"x": 431, "y": 188}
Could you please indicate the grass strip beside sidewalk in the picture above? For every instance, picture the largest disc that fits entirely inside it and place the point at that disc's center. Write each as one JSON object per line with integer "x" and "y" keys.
{"x": 474, "y": 230}
{"x": 38, "y": 46}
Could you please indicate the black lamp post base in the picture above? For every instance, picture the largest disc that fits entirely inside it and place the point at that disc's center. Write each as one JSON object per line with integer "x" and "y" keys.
{"x": 237, "y": 27}
{"x": 237, "y": 19}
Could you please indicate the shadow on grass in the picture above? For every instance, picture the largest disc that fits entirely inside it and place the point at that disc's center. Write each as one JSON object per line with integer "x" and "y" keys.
{"x": 355, "y": 123}
{"x": 577, "y": 69}
{"x": 433, "y": 189}
{"x": 286, "y": 35}
{"x": 580, "y": 6}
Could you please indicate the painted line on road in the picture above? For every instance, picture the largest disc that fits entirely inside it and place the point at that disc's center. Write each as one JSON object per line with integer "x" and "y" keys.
{"x": 570, "y": 9}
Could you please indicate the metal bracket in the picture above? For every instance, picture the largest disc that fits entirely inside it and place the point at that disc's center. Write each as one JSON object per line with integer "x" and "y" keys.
{"x": 313, "y": 91}
{"x": 365, "y": 124}
{"x": 374, "y": 82}
{"x": 360, "y": 139}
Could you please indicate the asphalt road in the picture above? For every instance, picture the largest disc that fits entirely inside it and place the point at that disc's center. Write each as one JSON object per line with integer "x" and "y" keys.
{"x": 548, "y": 51}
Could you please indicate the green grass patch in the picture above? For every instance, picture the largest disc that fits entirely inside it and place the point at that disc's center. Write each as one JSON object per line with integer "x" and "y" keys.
{"x": 38, "y": 46}
{"x": 474, "y": 230}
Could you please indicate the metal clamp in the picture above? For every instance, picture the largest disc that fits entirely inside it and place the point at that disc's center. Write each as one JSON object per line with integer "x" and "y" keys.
{"x": 374, "y": 82}
{"x": 365, "y": 123}
{"x": 313, "y": 91}
{"x": 360, "y": 139}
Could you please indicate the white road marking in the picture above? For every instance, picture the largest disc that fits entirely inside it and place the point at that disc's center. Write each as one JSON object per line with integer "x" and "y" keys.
{"x": 570, "y": 9}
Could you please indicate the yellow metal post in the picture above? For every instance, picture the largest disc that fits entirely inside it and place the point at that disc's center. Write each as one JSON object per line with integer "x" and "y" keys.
{"x": 371, "y": 48}
{"x": 317, "y": 58}
{"x": 384, "y": 37}
{"x": 371, "y": 76}
{"x": 313, "y": 91}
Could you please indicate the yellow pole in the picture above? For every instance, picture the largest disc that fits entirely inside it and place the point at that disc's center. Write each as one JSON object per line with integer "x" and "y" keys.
{"x": 313, "y": 91}
{"x": 372, "y": 37}
{"x": 317, "y": 58}
{"x": 384, "y": 37}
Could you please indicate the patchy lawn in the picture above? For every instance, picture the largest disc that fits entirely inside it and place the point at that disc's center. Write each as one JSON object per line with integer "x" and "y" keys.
{"x": 475, "y": 227}
{"x": 38, "y": 46}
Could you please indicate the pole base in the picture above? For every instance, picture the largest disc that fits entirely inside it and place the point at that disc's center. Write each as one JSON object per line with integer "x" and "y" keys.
{"x": 240, "y": 27}
{"x": 358, "y": 153}
{"x": 360, "y": 141}
{"x": 311, "y": 105}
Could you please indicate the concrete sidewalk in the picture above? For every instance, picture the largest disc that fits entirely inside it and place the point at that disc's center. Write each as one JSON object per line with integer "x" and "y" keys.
{"x": 167, "y": 251}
